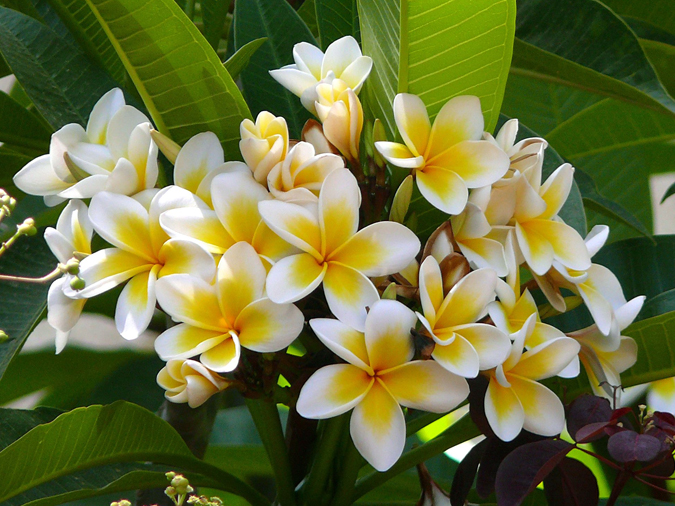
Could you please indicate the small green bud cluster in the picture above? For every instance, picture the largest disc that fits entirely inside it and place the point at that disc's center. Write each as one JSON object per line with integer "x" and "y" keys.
{"x": 27, "y": 227}
{"x": 179, "y": 488}
{"x": 123, "y": 502}
{"x": 72, "y": 267}
{"x": 7, "y": 204}
{"x": 202, "y": 500}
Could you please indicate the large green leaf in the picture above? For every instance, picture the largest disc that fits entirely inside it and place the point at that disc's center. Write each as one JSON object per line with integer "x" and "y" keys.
{"x": 180, "y": 78}
{"x": 22, "y": 304}
{"x": 593, "y": 50}
{"x": 335, "y": 19}
{"x": 82, "y": 24}
{"x": 437, "y": 50}
{"x": 59, "y": 78}
{"x": 21, "y": 127}
{"x": 240, "y": 59}
{"x": 99, "y": 435}
{"x": 276, "y": 20}
{"x": 659, "y": 13}
{"x": 14, "y": 423}
{"x": 214, "y": 14}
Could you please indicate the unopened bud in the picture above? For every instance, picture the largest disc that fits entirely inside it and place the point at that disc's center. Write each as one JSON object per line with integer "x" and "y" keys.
{"x": 77, "y": 283}
{"x": 390, "y": 292}
{"x": 401, "y": 202}
{"x": 170, "y": 475}
{"x": 181, "y": 484}
{"x": 3, "y": 336}
{"x": 168, "y": 147}
{"x": 123, "y": 502}
{"x": 72, "y": 266}
{"x": 27, "y": 227}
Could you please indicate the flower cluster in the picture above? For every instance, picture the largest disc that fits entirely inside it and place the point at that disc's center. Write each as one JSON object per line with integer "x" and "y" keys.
{"x": 236, "y": 252}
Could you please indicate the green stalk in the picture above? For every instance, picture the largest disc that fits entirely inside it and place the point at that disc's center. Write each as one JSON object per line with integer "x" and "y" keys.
{"x": 323, "y": 461}
{"x": 463, "y": 430}
{"x": 344, "y": 492}
{"x": 267, "y": 422}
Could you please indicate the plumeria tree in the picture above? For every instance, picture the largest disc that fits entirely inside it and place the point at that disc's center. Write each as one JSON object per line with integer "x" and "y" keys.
{"x": 374, "y": 252}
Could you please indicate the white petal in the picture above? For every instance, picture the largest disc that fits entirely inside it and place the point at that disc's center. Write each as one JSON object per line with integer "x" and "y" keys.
{"x": 199, "y": 156}
{"x": 339, "y": 55}
{"x": 123, "y": 122}
{"x": 341, "y": 339}
{"x": 348, "y": 293}
{"x": 136, "y": 304}
{"x": 294, "y": 80}
{"x": 388, "y": 339}
{"x": 103, "y": 111}
{"x": 62, "y": 311}
{"x": 39, "y": 178}
{"x": 504, "y": 411}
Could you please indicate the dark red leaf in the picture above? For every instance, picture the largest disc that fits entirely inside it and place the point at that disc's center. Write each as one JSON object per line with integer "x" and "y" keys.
{"x": 618, "y": 413}
{"x": 477, "y": 389}
{"x": 664, "y": 468}
{"x": 629, "y": 446}
{"x": 585, "y": 410}
{"x": 525, "y": 468}
{"x": 591, "y": 432}
{"x": 571, "y": 484}
{"x": 665, "y": 418}
{"x": 462, "y": 482}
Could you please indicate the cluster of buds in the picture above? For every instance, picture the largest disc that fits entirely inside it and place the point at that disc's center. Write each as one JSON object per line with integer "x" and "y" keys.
{"x": 7, "y": 204}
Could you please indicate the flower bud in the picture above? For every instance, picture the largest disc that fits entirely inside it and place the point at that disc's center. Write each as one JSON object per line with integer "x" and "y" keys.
{"x": 77, "y": 283}
{"x": 181, "y": 484}
{"x": 170, "y": 491}
{"x": 390, "y": 292}
{"x": 166, "y": 145}
{"x": 3, "y": 336}
{"x": 401, "y": 202}
{"x": 27, "y": 227}
{"x": 312, "y": 132}
{"x": 341, "y": 113}
{"x": 73, "y": 266}
{"x": 263, "y": 143}
{"x": 170, "y": 475}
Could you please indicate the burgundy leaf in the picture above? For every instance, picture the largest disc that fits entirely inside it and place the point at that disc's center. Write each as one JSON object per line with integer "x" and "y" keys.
{"x": 477, "y": 389}
{"x": 525, "y": 468}
{"x": 629, "y": 446}
{"x": 618, "y": 413}
{"x": 462, "y": 482}
{"x": 585, "y": 410}
{"x": 571, "y": 484}
{"x": 663, "y": 468}
{"x": 591, "y": 432}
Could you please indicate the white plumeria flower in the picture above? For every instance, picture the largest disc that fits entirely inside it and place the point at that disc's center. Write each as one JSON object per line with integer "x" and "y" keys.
{"x": 199, "y": 161}
{"x": 218, "y": 319}
{"x": 234, "y": 218}
{"x": 115, "y": 153}
{"x": 142, "y": 253}
{"x": 300, "y": 175}
{"x": 541, "y": 236}
{"x": 341, "y": 113}
{"x": 514, "y": 400}
{"x": 378, "y": 377}
{"x": 449, "y": 157}
{"x": 511, "y": 313}
{"x": 263, "y": 144}
{"x": 463, "y": 346}
{"x": 604, "y": 365}
{"x": 189, "y": 381}
{"x": 72, "y": 235}
{"x": 661, "y": 395}
{"x": 333, "y": 251}
{"x": 598, "y": 287}
{"x": 343, "y": 60}
{"x": 527, "y": 156}
{"x": 471, "y": 231}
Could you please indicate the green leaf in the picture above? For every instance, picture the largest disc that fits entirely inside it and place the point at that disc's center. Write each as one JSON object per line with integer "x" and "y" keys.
{"x": 307, "y": 13}
{"x": 22, "y": 304}
{"x": 87, "y": 31}
{"x": 661, "y": 304}
{"x": 555, "y": 47}
{"x": 239, "y": 60}
{"x": 593, "y": 199}
{"x": 436, "y": 50}
{"x": 280, "y": 24}
{"x": 99, "y": 435}
{"x": 658, "y": 13}
{"x": 21, "y": 127}
{"x": 14, "y": 423}
{"x": 335, "y": 18}
{"x": 180, "y": 78}
{"x": 245, "y": 461}
{"x": 214, "y": 14}
{"x": 61, "y": 81}
{"x": 669, "y": 192}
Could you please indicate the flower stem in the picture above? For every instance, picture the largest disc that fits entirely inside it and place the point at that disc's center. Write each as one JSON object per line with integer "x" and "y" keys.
{"x": 323, "y": 462}
{"x": 267, "y": 422}
{"x": 344, "y": 492}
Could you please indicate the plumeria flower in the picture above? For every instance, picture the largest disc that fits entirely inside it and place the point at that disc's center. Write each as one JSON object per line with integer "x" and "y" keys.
{"x": 471, "y": 231}
{"x": 463, "y": 346}
{"x": 115, "y": 153}
{"x": 598, "y": 287}
{"x": 449, "y": 157}
{"x": 514, "y": 400}
{"x": 142, "y": 252}
{"x": 189, "y": 381}
{"x": 72, "y": 235}
{"x": 341, "y": 113}
{"x": 199, "y": 161}
{"x": 511, "y": 313}
{"x": 343, "y": 60}
{"x": 263, "y": 144}
{"x": 333, "y": 251}
{"x": 527, "y": 156}
{"x": 219, "y": 319}
{"x": 379, "y": 376}
{"x": 300, "y": 175}
{"x": 541, "y": 236}
{"x": 604, "y": 366}
{"x": 661, "y": 395}
{"x": 234, "y": 218}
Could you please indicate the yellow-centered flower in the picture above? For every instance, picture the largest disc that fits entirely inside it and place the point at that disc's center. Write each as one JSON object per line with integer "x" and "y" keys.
{"x": 263, "y": 143}
{"x": 189, "y": 381}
